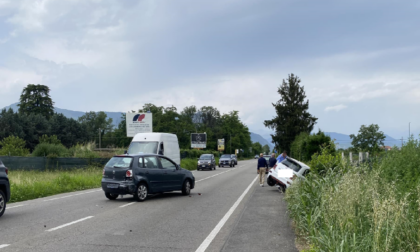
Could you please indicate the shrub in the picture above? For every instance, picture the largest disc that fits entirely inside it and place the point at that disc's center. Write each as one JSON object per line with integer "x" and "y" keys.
{"x": 50, "y": 150}
{"x": 84, "y": 151}
{"x": 324, "y": 161}
{"x": 49, "y": 139}
{"x": 13, "y": 146}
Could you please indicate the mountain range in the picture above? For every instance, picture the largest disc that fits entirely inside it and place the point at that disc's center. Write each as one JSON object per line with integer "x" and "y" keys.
{"x": 116, "y": 116}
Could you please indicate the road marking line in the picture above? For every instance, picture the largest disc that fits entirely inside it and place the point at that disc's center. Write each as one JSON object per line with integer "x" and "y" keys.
{"x": 222, "y": 222}
{"x": 68, "y": 224}
{"x": 128, "y": 204}
{"x": 4, "y": 245}
{"x": 10, "y": 207}
{"x": 68, "y": 196}
{"x": 215, "y": 175}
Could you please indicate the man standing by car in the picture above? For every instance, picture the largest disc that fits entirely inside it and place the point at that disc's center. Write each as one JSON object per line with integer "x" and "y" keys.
{"x": 282, "y": 157}
{"x": 272, "y": 161}
{"x": 262, "y": 163}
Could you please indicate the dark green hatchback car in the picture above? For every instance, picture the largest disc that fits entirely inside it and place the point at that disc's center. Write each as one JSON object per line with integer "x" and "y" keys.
{"x": 144, "y": 174}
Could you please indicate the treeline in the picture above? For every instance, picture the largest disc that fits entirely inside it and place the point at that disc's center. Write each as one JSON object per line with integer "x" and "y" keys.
{"x": 191, "y": 120}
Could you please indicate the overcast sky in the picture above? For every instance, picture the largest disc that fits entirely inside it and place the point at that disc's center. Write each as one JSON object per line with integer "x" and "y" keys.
{"x": 359, "y": 61}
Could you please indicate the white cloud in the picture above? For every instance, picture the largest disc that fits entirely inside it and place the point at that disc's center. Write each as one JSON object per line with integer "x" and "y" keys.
{"x": 335, "y": 108}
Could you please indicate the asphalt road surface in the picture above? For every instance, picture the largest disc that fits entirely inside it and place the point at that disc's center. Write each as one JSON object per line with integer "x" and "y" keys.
{"x": 226, "y": 211}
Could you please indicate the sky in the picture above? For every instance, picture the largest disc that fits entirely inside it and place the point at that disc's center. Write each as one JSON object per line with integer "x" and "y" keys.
{"x": 359, "y": 61}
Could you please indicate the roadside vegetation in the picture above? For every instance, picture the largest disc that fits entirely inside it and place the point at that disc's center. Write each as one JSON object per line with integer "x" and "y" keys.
{"x": 374, "y": 206}
{"x": 27, "y": 185}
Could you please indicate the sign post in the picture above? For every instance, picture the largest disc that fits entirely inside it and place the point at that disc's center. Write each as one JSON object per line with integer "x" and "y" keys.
{"x": 138, "y": 123}
{"x": 221, "y": 144}
{"x": 198, "y": 140}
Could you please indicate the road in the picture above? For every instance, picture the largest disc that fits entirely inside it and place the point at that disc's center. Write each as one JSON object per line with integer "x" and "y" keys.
{"x": 226, "y": 211}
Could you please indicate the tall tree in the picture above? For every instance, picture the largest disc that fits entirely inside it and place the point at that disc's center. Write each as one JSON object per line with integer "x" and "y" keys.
{"x": 35, "y": 99}
{"x": 369, "y": 138}
{"x": 292, "y": 114}
{"x": 93, "y": 121}
{"x": 266, "y": 149}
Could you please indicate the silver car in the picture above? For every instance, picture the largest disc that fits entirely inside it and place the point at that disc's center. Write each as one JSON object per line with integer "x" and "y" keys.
{"x": 226, "y": 160}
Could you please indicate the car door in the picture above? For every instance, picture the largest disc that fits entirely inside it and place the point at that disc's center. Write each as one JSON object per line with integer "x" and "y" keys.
{"x": 172, "y": 175}
{"x": 153, "y": 174}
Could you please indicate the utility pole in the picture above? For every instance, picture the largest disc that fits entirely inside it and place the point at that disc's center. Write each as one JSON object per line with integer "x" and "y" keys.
{"x": 230, "y": 135}
{"x": 409, "y": 133}
{"x": 99, "y": 138}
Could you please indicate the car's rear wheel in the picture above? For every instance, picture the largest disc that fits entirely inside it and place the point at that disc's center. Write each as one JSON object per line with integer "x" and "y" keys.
{"x": 2, "y": 203}
{"x": 270, "y": 181}
{"x": 186, "y": 188}
{"x": 111, "y": 196}
{"x": 141, "y": 192}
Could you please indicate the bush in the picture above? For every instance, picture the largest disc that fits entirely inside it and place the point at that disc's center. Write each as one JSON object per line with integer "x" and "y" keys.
{"x": 186, "y": 153}
{"x": 50, "y": 150}
{"x": 320, "y": 163}
{"x": 84, "y": 151}
{"x": 13, "y": 146}
{"x": 49, "y": 139}
{"x": 305, "y": 145}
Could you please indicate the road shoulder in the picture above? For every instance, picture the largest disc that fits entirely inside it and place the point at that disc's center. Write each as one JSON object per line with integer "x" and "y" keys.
{"x": 264, "y": 224}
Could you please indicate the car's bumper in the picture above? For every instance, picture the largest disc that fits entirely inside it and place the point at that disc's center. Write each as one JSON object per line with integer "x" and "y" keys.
{"x": 118, "y": 187}
{"x": 225, "y": 163}
{"x": 204, "y": 166}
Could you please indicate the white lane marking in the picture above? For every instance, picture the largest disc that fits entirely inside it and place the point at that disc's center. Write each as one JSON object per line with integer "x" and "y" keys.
{"x": 4, "y": 245}
{"x": 10, "y": 207}
{"x": 68, "y": 196}
{"x": 222, "y": 222}
{"x": 215, "y": 175}
{"x": 128, "y": 204}
{"x": 68, "y": 224}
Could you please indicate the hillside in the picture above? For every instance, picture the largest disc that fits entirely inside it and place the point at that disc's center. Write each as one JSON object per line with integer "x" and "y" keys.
{"x": 344, "y": 141}
{"x": 116, "y": 116}
{"x": 257, "y": 138}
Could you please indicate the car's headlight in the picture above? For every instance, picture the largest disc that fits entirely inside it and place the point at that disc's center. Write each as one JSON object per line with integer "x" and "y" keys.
{"x": 198, "y": 162}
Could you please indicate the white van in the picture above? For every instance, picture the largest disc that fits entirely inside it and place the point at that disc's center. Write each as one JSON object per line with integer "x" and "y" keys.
{"x": 156, "y": 143}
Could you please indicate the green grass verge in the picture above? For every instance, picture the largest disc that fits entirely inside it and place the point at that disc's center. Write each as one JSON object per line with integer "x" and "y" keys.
{"x": 27, "y": 185}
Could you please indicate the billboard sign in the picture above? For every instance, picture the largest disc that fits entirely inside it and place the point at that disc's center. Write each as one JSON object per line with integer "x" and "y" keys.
{"x": 198, "y": 140}
{"x": 221, "y": 144}
{"x": 138, "y": 123}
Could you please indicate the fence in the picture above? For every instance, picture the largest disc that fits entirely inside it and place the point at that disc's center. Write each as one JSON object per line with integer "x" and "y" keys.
{"x": 44, "y": 163}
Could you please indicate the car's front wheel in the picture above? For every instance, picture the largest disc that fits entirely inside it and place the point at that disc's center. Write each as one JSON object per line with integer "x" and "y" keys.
{"x": 186, "y": 188}
{"x": 111, "y": 196}
{"x": 141, "y": 192}
{"x": 2, "y": 203}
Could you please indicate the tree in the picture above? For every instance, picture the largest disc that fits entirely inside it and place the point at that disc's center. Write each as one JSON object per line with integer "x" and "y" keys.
{"x": 266, "y": 149}
{"x": 292, "y": 114}
{"x": 256, "y": 148}
{"x": 93, "y": 121}
{"x": 13, "y": 146}
{"x": 35, "y": 99}
{"x": 305, "y": 145}
{"x": 369, "y": 138}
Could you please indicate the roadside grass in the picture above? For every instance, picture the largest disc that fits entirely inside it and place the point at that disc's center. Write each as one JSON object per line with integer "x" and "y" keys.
{"x": 27, "y": 185}
{"x": 369, "y": 207}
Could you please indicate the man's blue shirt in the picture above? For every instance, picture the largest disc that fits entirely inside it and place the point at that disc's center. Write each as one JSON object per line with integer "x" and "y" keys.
{"x": 281, "y": 158}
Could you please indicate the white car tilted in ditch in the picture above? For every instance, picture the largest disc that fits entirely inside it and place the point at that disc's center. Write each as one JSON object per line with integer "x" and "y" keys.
{"x": 283, "y": 173}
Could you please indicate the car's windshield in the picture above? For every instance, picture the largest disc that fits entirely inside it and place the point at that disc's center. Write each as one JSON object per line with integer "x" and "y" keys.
{"x": 267, "y": 157}
{"x": 119, "y": 162}
{"x": 143, "y": 147}
{"x": 205, "y": 157}
{"x": 292, "y": 165}
{"x": 225, "y": 156}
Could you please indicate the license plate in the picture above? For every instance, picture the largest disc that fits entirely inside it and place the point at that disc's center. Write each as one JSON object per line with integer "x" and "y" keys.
{"x": 203, "y": 166}
{"x": 112, "y": 185}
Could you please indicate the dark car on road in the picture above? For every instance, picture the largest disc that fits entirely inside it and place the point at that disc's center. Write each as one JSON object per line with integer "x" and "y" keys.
{"x": 144, "y": 174}
{"x": 4, "y": 188}
{"x": 226, "y": 160}
{"x": 206, "y": 161}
